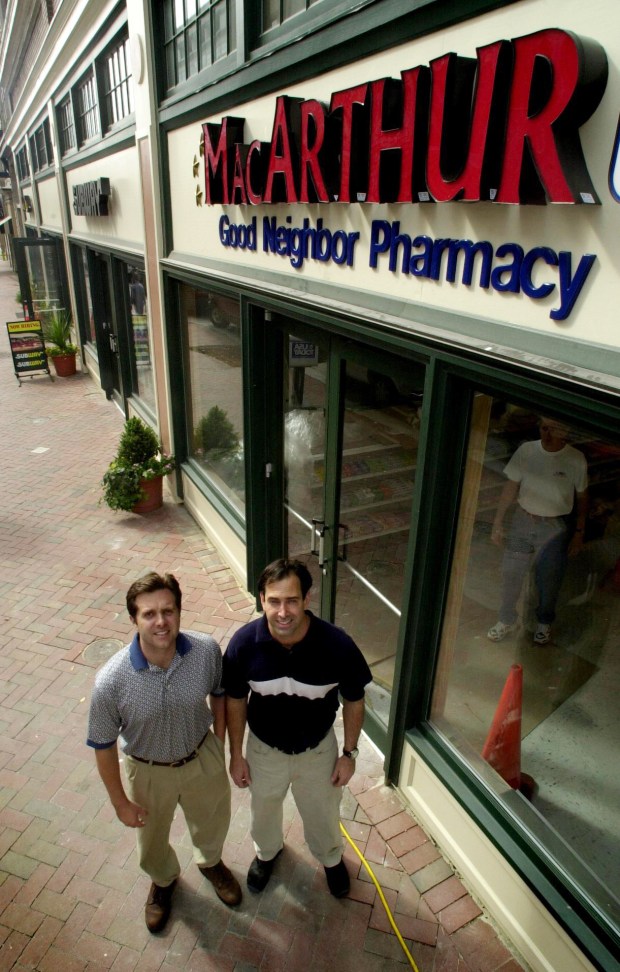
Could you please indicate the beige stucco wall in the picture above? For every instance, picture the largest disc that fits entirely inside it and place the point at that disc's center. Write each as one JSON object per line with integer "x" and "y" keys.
{"x": 125, "y": 222}
{"x": 49, "y": 202}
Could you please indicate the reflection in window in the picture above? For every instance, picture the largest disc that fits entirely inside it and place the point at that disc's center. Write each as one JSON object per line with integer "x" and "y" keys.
{"x": 140, "y": 336}
{"x": 210, "y": 325}
{"x": 88, "y": 299}
{"x": 536, "y": 584}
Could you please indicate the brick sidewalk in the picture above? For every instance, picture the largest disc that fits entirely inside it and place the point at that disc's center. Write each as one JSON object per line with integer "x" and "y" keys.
{"x": 71, "y": 894}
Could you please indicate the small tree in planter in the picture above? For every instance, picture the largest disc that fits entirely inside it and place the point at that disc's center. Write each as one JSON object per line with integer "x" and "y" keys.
{"x": 58, "y": 344}
{"x": 133, "y": 481}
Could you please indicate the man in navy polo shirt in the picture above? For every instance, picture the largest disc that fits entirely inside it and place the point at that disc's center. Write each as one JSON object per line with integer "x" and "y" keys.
{"x": 293, "y": 666}
{"x": 153, "y": 694}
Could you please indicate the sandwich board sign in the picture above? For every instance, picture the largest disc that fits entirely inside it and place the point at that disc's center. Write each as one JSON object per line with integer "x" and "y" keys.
{"x": 27, "y": 348}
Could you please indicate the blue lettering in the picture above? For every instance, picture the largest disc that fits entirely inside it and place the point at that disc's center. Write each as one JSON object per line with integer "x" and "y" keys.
{"x": 530, "y": 258}
{"x": 570, "y": 287}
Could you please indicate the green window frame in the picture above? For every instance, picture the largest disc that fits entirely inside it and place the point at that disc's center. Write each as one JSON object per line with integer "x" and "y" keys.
{"x": 66, "y": 125}
{"x": 116, "y": 83}
{"x": 87, "y": 108}
{"x": 197, "y": 35}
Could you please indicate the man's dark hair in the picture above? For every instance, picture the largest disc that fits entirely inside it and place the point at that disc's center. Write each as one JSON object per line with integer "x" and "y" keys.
{"x": 281, "y": 568}
{"x": 147, "y": 585}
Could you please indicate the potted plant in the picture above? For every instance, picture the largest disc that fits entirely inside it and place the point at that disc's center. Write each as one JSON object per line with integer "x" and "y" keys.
{"x": 58, "y": 343}
{"x": 134, "y": 479}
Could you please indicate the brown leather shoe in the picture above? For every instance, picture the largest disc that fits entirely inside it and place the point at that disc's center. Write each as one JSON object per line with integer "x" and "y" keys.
{"x": 224, "y": 883}
{"x": 158, "y": 905}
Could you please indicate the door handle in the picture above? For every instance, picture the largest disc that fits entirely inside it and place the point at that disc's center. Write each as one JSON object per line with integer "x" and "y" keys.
{"x": 313, "y": 535}
{"x": 318, "y": 529}
{"x": 322, "y": 560}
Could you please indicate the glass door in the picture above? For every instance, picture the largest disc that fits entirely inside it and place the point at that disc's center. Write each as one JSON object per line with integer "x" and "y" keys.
{"x": 42, "y": 277}
{"x": 106, "y": 332}
{"x": 380, "y": 403}
{"x": 351, "y": 418}
{"x": 304, "y": 436}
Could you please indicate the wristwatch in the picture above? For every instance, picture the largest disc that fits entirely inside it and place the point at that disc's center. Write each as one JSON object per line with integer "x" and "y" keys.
{"x": 351, "y": 753}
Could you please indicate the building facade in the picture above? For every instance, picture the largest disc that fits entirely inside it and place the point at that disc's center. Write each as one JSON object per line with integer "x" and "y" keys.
{"x": 349, "y": 261}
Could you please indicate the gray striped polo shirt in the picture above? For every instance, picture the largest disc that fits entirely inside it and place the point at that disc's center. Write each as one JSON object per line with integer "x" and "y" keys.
{"x": 159, "y": 714}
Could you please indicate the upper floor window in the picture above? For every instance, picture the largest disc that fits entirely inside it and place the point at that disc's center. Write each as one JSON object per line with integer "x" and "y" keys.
{"x": 86, "y": 108}
{"x": 66, "y": 127}
{"x": 197, "y": 33}
{"x": 41, "y": 147}
{"x": 21, "y": 163}
{"x": 275, "y": 12}
{"x": 117, "y": 83}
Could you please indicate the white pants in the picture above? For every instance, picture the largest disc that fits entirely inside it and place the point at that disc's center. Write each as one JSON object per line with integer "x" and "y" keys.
{"x": 317, "y": 799}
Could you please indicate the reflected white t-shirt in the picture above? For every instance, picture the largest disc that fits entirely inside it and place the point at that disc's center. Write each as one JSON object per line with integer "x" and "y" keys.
{"x": 547, "y": 480}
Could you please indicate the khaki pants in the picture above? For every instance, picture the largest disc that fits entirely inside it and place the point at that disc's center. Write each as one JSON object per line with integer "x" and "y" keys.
{"x": 202, "y": 790}
{"x": 318, "y": 801}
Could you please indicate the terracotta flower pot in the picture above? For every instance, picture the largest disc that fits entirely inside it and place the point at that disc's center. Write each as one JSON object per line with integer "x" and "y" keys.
{"x": 154, "y": 495}
{"x": 64, "y": 364}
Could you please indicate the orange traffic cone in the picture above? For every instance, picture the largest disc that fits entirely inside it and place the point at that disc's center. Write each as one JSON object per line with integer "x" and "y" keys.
{"x": 502, "y": 749}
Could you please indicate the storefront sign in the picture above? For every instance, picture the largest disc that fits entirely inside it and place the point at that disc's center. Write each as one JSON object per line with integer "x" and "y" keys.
{"x": 507, "y": 269}
{"x": 301, "y": 354}
{"x": 91, "y": 198}
{"x": 27, "y": 347}
{"x": 502, "y": 128}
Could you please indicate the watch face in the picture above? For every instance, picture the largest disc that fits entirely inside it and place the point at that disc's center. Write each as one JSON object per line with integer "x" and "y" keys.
{"x": 351, "y": 753}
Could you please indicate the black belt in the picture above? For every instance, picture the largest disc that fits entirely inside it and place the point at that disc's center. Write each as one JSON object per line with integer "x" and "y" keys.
{"x": 177, "y": 762}
{"x": 297, "y": 752}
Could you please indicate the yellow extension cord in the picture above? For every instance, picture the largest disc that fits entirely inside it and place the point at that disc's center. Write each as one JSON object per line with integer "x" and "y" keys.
{"x": 382, "y": 896}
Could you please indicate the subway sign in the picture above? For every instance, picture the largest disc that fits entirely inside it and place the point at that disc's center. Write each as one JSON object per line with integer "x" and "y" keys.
{"x": 500, "y": 128}
{"x": 91, "y": 198}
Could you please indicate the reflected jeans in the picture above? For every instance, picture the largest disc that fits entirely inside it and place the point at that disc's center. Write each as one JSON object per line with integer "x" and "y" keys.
{"x": 543, "y": 542}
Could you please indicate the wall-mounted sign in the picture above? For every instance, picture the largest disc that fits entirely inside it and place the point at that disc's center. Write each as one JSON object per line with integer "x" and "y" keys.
{"x": 503, "y": 127}
{"x": 91, "y": 198}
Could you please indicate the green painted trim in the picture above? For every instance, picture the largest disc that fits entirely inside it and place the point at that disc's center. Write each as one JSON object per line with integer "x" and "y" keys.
{"x": 108, "y": 145}
{"x": 598, "y": 939}
{"x": 485, "y": 339}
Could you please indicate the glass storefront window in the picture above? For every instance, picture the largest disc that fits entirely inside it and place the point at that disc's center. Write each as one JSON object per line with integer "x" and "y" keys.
{"x": 210, "y": 324}
{"x": 139, "y": 336}
{"x": 534, "y": 608}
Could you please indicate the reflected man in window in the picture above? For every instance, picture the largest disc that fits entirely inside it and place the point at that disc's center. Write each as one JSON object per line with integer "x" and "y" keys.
{"x": 546, "y": 478}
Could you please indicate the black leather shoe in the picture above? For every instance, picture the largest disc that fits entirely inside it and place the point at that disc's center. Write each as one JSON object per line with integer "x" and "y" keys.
{"x": 158, "y": 905}
{"x": 260, "y": 872}
{"x": 338, "y": 880}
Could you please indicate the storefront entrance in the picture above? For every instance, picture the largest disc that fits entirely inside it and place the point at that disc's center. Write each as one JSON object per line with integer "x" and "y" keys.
{"x": 350, "y": 422}
{"x": 40, "y": 266}
{"x": 106, "y": 328}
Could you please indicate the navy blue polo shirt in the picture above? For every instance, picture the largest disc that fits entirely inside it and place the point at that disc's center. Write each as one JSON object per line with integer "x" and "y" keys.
{"x": 294, "y": 691}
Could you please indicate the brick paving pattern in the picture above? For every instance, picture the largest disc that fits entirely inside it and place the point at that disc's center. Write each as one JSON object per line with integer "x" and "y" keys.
{"x": 71, "y": 894}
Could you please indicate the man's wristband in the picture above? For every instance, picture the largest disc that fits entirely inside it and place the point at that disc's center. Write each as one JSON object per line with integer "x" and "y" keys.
{"x": 351, "y": 753}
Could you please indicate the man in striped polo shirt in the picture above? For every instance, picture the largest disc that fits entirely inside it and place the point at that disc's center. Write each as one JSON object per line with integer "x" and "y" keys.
{"x": 153, "y": 695}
